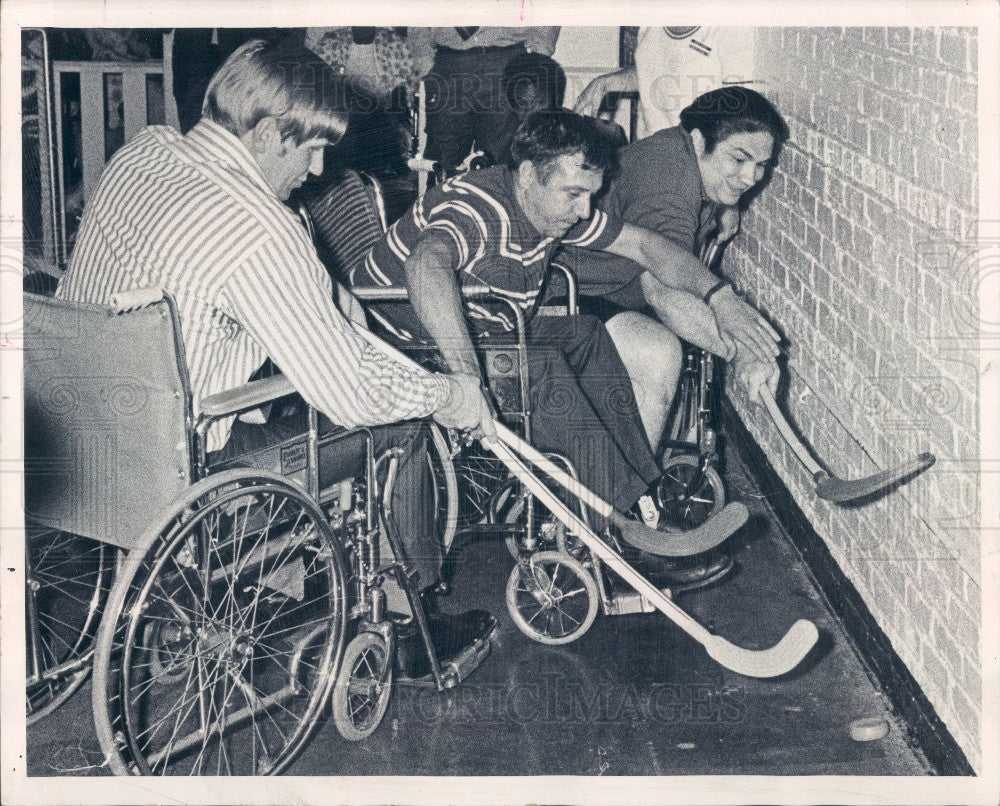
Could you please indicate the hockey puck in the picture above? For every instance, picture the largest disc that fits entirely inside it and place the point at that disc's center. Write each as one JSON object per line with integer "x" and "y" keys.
{"x": 868, "y": 729}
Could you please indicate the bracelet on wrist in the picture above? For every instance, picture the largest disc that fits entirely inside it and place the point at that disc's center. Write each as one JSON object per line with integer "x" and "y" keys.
{"x": 715, "y": 289}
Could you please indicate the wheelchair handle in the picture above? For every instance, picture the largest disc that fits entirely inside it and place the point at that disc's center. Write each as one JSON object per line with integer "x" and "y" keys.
{"x": 136, "y": 298}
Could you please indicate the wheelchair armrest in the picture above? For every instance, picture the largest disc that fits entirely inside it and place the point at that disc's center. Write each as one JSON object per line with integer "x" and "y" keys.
{"x": 249, "y": 396}
{"x": 572, "y": 292}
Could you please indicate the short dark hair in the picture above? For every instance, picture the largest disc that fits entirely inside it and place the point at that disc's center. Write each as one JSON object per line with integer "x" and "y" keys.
{"x": 541, "y": 73}
{"x": 549, "y": 134}
{"x": 282, "y": 80}
{"x": 732, "y": 110}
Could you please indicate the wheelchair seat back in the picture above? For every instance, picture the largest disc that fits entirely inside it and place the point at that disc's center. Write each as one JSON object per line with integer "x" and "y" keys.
{"x": 106, "y": 417}
{"x": 348, "y": 222}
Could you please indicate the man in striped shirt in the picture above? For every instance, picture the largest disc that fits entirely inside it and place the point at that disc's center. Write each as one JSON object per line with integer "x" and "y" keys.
{"x": 499, "y": 227}
{"x": 201, "y": 216}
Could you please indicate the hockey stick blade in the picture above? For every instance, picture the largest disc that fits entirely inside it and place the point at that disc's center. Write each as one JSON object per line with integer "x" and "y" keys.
{"x": 780, "y": 659}
{"x": 682, "y": 544}
{"x": 830, "y": 488}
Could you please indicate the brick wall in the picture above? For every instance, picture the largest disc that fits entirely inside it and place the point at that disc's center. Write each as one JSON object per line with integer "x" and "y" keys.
{"x": 863, "y": 249}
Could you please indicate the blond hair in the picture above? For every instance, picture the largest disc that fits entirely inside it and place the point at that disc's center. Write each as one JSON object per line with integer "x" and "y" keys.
{"x": 284, "y": 81}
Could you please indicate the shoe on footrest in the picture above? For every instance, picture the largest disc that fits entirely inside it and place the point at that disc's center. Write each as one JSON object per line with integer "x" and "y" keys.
{"x": 684, "y": 574}
{"x": 450, "y": 633}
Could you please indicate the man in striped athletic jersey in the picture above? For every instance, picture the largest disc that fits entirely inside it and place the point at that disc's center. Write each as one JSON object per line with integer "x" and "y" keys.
{"x": 499, "y": 227}
{"x": 201, "y": 216}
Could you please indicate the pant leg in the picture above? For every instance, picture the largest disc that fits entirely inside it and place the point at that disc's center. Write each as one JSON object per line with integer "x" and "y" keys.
{"x": 412, "y": 515}
{"x": 493, "y": 120}
{"x": 449, "y": 111}
{"x": 583, "y": 407}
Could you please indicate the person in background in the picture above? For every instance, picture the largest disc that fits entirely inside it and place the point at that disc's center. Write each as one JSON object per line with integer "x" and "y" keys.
{"x": 673, "y": 66}
{"x": 379, "y": 77}
{"x": 377, "y": 59}
{"x": 533, "y": 83}
{"x": 463, "y": 69}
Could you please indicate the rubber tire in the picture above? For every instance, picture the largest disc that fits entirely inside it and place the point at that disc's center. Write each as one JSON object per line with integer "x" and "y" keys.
{"x": 360, "y": 649}
{"x": 445, "y": 485}
{"x": 119, "y": 637}
{"x": 520, "y": 595}
{"x": 685, "y": 466}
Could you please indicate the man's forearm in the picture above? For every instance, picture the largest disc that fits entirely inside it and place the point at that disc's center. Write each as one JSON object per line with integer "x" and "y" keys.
{"x": 436, "y": 298}
{"x": 687, "y": 317}
{"x": 738, "y": 323}
{"x": 669, "y": 263}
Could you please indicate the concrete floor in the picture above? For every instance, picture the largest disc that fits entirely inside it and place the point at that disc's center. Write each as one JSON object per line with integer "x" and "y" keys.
{"x": 633, "y": 696}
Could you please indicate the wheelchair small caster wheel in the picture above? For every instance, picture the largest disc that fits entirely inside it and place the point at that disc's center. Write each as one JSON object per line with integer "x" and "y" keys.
{"x": 552, "y": 598}
{"x": 687, "y": 495}
{"x": 363, "y": 687}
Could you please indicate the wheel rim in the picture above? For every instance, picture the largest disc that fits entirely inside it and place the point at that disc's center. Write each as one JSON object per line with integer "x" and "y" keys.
{"x": 552, "y": 598}
{"x": 687, "y": 495}
{"x": 363, "y": 688}
{"x": 226, "y": 641}
{"x": 67, "y": 582}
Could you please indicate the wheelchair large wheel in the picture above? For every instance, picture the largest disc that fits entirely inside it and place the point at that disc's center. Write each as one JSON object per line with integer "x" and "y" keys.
{"x": 552, "y": 598}
{"x": 221, "y": 634}
{"x": 687, "y": 494}
{"x": 67, "y": 579}
{"x": 364, "y": 685}
{"x": 445, "y": 486}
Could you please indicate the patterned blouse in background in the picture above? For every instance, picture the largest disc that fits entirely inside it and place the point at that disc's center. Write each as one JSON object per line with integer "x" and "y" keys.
{"x": 379, "y": 67}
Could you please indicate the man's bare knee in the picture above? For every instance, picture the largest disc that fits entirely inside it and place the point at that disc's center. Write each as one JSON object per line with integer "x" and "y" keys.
{"x": 650, "y": 351}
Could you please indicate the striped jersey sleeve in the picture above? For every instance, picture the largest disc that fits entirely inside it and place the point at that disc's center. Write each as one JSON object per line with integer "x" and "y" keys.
{"x": 597, "y": 232}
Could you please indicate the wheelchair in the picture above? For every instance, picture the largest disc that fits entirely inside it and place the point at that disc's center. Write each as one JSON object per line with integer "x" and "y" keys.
{"x": 213, "y": 603}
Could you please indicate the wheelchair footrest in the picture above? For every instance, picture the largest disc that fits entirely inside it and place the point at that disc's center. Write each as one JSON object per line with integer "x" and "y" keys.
{"x": 625, "y": 603}
{"x": 456, "y": 669}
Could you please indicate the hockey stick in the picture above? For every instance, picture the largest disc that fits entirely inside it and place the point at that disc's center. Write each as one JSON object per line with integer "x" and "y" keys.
{"x": 780, "y": 659}
{"x": 831, "y": 488}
